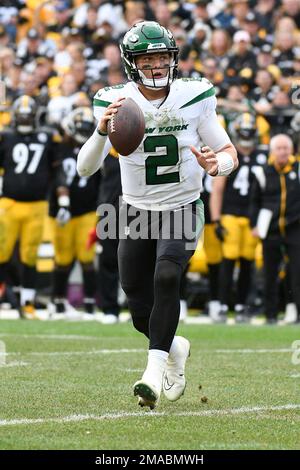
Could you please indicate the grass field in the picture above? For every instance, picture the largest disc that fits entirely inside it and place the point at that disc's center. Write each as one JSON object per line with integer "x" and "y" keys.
{"x": 69, "y": 386}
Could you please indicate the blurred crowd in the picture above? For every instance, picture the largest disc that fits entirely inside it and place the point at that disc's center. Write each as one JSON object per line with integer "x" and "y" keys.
{"x": 61, "y": 52}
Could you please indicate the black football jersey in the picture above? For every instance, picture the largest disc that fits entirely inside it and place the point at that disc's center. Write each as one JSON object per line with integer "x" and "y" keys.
{"x": 28, "y": 162}
{"x": 83, "y": 191}
{"x": 236, "y": 197}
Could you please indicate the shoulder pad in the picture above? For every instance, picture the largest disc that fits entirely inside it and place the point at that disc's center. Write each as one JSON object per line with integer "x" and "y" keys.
{"x": 194, "y": 90}
{"x": 105, "y": 96}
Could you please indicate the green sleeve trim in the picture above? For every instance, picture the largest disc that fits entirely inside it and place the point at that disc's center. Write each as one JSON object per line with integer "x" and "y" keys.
{"x": 205, "y": 94}
{"x": 101, "y": 103}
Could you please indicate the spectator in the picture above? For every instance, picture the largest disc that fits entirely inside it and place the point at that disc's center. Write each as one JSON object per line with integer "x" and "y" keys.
{"x": 61, "y": 105}
{"x": 277, "y": 188}
{"x": 242, "y": 56}
{"x": 219, "y": 47}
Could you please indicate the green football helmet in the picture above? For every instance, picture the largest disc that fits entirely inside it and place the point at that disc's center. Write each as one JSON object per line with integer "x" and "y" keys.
{"x": 149, "y": 37}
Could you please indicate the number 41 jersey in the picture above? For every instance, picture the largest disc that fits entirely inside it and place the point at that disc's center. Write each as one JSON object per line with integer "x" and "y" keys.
{"x": 163, "y": 173}
{"x": 27, "y": 161}
{"x": 236, "y": 198}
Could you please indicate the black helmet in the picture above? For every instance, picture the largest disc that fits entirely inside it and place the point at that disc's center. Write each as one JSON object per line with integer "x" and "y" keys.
{"x": 24, "y": 114}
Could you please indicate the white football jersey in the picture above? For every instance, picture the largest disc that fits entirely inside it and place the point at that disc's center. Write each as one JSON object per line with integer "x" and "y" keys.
{"x": 163, "y": 173}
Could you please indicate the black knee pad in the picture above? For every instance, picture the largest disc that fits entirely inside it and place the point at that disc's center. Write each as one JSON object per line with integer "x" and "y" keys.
{"x": 167, "y": 274}
{"x": 141, "y": 324}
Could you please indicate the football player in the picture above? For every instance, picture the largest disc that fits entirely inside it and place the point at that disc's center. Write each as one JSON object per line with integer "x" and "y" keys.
{"x": 28, "y": 159}
{"x": 73, "y": 222}
{"x": 161, "y": 178}
{"x": 230, "y": 213}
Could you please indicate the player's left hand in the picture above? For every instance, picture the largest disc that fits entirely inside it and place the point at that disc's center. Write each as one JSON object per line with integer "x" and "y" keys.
{"x": 63, "y": 216}
{"x": 207, "y": 159}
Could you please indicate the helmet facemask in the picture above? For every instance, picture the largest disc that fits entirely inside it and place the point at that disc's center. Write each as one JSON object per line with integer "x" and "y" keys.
{"x": 79, "y": 124}
{"x": 157, "y": 83}
{"x": 24, "y": 114}
{"x": 244, "y": 130}
{"x": 247, "y": 137}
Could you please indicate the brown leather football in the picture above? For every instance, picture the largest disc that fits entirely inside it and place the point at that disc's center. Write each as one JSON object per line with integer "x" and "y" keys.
{"x": 126, "y": 128}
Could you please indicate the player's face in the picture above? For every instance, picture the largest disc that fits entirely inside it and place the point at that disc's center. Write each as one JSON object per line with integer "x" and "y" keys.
{"x": 160, "y": 62}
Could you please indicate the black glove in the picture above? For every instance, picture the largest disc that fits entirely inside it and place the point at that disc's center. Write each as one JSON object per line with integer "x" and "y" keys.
{"x": 220, "y": 230}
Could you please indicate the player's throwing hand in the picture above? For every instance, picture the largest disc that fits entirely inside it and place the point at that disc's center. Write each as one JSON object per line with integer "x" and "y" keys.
{"x": 207, "y": 159}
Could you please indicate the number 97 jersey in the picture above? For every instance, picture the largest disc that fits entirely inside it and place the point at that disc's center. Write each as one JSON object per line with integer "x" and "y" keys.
{"x": 163, "y": 173}
{"x": 27, "y": 161}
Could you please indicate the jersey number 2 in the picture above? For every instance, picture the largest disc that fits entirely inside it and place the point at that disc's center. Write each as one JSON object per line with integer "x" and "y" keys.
{"x": 167, "y": 146}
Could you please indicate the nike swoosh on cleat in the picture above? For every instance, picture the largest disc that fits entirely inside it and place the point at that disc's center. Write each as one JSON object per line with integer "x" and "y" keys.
{"x": 169, "y": 385}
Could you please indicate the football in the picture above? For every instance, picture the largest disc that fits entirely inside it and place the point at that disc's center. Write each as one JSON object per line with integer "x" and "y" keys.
{"x": 126, "y": 128}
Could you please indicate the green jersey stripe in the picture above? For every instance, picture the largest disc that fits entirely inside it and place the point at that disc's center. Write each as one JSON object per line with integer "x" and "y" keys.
{"x": 201, "y": 97}
{"x": 102, "y": 103}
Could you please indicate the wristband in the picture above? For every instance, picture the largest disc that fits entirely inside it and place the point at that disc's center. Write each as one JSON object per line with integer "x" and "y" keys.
{"x": 63, "y": 200}
{"x": 225, "y": 164}
{"x": 101, "y": 133}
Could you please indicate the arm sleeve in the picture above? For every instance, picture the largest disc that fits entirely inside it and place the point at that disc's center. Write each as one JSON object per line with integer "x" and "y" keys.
{"x": 210, "y": 130}
{"x": 92, "y": 154}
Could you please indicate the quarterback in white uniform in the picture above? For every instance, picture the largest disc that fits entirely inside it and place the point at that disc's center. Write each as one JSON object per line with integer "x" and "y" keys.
{"x": 162, "y": 176}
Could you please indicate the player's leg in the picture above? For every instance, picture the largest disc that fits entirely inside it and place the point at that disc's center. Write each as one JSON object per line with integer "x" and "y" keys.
{"x": 272, "y": 256}
{"x": 31, "y": 235}
{"x": 213, "y": 251}
{"x": 64, "y": 249}
{"x": 248, "y": 245}
{"x": 173, "y": 254}
{"x": 231, "y": 253}
{"x": 9, "y": 233}
{"x": 108, "y": 280}
{"x": 136, "y": 260}
{"x": 83, "y": 225}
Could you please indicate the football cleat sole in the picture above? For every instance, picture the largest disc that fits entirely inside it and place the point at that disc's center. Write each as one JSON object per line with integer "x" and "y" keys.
{"x": 147, "y": 397}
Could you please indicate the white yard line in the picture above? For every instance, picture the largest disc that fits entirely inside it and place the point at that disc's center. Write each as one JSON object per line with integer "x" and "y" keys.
{"x": 140, "y": 414}
{"x": 62, "y": 337}
{"x": 120, "y": 351}
{"x": 77, "y": 353}
{"x": 15, "y": 364}
{"x": 253, "y": 351}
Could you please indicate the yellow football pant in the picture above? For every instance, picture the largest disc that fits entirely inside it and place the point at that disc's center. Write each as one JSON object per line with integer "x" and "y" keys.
{"x": 21, "y": 221}
{"x": 71, "y": 239}
{"x": 212, "y": 245}
{"x": 239, "y": 241}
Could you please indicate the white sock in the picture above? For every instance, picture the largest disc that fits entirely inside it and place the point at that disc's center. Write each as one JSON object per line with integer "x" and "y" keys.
{"x": 175, "y": 349}
{"x": 27, "y": 295}
{"x": 183, "y": 310}
{"x": 157, "y": 361}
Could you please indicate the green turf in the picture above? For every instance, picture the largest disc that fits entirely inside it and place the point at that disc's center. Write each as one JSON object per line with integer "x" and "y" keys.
{"x": 46, "y": 386}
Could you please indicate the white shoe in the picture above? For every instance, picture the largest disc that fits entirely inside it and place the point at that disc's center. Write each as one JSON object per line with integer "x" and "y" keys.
{"x": 109, "y": 319}
{"x": 71, "y": 313}
{"x": 148, "y": 389}
{"x": 217, "y": 312}
{"x": 174, "y": 382}
{"x": 291, "y": 314}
